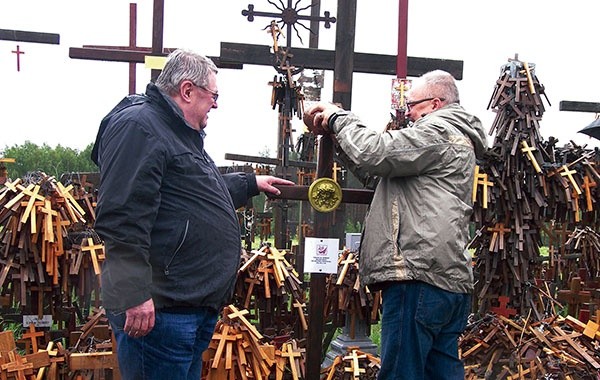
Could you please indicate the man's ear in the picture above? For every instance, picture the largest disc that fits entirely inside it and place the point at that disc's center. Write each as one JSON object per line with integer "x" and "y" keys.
{"x": 185, "y": 90}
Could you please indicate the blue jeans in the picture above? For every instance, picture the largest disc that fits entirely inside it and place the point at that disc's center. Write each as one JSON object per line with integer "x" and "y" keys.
{"x": 172, "y": 350}
{"x": 420, "y": 327}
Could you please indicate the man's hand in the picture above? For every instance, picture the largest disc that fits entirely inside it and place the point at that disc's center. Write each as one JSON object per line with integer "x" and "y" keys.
{"x": 265, "y": 183}
{"x": 316, "y": 117}
{"x": 140, "y": 319}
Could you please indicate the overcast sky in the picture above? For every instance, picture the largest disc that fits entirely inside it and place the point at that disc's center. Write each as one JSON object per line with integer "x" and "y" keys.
{"x": 54, "y": 99}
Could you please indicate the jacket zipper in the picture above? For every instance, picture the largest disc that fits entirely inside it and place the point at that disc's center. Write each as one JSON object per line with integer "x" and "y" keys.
{"x": 187, "y": 225}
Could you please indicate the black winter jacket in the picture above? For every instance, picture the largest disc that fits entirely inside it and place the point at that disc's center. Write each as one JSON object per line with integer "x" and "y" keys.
{"x": 165, "y": 213}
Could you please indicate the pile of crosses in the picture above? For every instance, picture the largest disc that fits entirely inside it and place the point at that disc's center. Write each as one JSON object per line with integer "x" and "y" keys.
{"x": 356, "y": 365}
{"x": 348, "y": 300}
{"x": 236, "y": 352}
{"x": 91, "y": 354}
{"x": 496, "y": 347}
{"x": 267, "y": 285}
{"x": 529, "y": 193}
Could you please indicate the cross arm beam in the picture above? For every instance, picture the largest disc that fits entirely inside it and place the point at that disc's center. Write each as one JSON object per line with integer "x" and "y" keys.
{"x": 567, "y": 105}
{"x": 300, "y": 193}
{"x": 268, "y": 161}
{"x": 23, "y": 36}
{"x": 122, "y": 54}
{"x": 325, "y": 59}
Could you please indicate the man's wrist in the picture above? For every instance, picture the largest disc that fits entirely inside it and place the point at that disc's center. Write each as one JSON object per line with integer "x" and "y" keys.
{"x": 333, "y": 117}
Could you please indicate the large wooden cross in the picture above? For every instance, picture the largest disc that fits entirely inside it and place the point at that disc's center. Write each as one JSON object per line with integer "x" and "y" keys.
{"x": 135, "y": 54}
{"x": 344, "y": 61}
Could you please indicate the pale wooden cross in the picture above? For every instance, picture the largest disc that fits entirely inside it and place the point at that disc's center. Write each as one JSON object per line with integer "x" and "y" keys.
{"x": 569, "y": 174}
{"x": 293, "y": 356}
{"x": 48, "y": 214}
{"x": 355, "y": 364}
{"x": 225, "y": 339}
{"x": 346, "y": 264}
{"x": 481, "y": 179}
{"x": 529, "y": 152}
{"x": 264, "y": 269}
{"x": 301, "y": 306}
{"x": 92, "y": 248}
{"x": 336, "y": 169}
{"x": 576, "y": 213}
{"x": 237, "y": 314}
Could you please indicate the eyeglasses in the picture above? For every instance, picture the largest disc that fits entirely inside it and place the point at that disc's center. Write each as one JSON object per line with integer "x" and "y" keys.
{"x": 415, "y": 102}
{"x": 215, "y": 95}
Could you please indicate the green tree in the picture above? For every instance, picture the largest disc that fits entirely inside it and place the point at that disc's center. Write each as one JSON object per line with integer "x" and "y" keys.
{"x": 56, "y": 161}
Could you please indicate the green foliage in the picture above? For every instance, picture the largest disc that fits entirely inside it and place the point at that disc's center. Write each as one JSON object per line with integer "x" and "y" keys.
{"x": 56, "y": 161}
{"x": 353, "y": 226}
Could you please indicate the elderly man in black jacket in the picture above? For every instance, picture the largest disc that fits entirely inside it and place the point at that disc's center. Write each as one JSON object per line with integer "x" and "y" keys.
{"x": 168, "y": 220}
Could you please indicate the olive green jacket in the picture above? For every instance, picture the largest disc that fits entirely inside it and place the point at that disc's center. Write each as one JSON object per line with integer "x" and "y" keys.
{"x": 417, "y": 224}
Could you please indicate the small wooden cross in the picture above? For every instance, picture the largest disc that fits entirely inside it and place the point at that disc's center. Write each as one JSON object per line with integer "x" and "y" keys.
{"x": 19, "y": 365}
{"x": 301, "y": 306}
{"x": 574, "y": 296}
{"x": 18, "y": 52}
{"x": 346, "y": 263}
{"x": 293, "y": 356}
{"x": 237, "y": 314}
{"x": 48, "y": 214}
{"x": 569, "y": 174}
{"x": 33, "y": 335}
{"x": 336, "y": 169}
{"x": 225, "y": 339}
{"x": 587, "y": 186}
{"x": 92, "y": 248}
{"x": 481, "y": 179}
{"x": 40, "y": 298}
{"x": 355, "y": 364}
{"x": 529, "y": 151}
{"x": 497, "y": 240}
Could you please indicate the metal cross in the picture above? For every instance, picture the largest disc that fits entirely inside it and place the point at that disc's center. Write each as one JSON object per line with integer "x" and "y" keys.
{"x": 289, "y": 16}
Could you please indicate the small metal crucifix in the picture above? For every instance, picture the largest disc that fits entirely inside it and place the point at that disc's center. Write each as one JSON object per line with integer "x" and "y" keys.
{"x": 289, "y": 16}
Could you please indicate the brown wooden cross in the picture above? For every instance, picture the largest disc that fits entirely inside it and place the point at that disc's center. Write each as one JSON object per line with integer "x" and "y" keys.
{"x": 293, "y": 359}
{"x": 574, "y": 296}
{"x": 588, "y": 184}
{"x": 32, "y": 336}
{"x": 16, "y": 363}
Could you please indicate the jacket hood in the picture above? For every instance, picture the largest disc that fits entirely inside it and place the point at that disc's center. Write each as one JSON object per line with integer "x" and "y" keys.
{"x": 468, "y": 124}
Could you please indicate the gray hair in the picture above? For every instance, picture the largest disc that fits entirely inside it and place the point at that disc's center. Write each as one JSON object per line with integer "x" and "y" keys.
{"x": 438, "y": 84}
{"x": 183, "y": 65}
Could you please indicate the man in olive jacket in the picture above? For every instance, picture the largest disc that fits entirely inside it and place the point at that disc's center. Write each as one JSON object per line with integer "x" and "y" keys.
{"x": 416, "y": 231}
